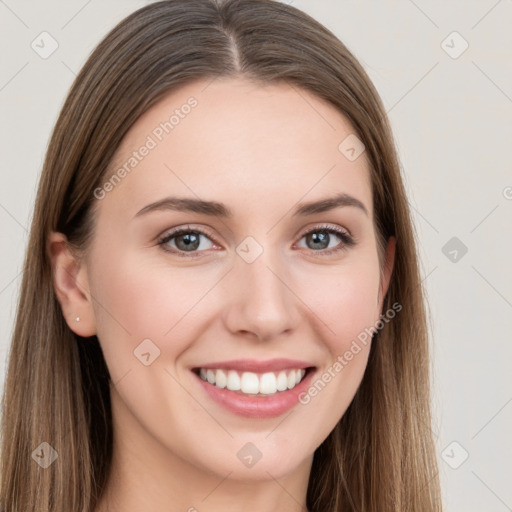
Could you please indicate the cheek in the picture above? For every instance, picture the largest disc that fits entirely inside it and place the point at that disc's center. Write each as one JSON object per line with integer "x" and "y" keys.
{"x": 344, "y": 300}
{"x": 137, "y": 300}
{"x": 357, "y": 305}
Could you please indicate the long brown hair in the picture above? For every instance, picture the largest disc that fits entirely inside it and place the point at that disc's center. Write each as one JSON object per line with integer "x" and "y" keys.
{"x": 380, "y": 457}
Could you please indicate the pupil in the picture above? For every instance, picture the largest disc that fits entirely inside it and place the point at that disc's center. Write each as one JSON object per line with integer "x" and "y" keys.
{"x": 189, "y": 240}
{"x": 320, "y": 238}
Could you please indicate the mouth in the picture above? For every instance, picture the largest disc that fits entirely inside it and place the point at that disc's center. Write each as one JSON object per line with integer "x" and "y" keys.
{"x": 253, "y": 388}
{"x": 255, "y": 384}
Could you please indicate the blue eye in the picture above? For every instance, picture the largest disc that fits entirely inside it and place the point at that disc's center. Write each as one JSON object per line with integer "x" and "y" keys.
{"x": 187, "y": 241}
{"x": 321, "y": 235}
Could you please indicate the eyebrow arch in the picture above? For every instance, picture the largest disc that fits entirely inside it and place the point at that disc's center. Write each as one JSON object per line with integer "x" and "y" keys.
{"x": 330, "y": 203}
{"x": 216, "y": 209}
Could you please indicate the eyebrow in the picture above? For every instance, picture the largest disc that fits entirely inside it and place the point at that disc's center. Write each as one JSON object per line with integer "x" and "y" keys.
{"x": 216, "y": 209}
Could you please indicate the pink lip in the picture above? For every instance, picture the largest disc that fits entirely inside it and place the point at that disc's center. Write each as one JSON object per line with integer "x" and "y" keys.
{"x": 256, "y": 406}
{"x": 252, "y": 365}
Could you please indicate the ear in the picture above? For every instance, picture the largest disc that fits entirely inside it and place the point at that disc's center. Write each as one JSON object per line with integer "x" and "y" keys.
{"x": 387, "y": 271}
{"x": 71, "y": 286}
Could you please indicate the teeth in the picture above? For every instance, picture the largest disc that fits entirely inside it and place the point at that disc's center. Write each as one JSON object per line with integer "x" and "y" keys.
{"x": 221, "y": 379}
{"x": 233, "y": 381}
{"x": 251, "y": 383}
{"x": 291, "y": 379}
{"x": 282, "y": 381}
{"x": 268, "y": 384}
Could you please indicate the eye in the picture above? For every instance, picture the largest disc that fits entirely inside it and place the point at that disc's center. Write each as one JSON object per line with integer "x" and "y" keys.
{"x": 187, "y": 242}
{"x": 320, "y": 238}
{"x": 184, "y": 240}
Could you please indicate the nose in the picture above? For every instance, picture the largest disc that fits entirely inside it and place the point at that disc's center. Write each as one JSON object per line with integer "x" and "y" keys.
{"x": 262, "y": 302}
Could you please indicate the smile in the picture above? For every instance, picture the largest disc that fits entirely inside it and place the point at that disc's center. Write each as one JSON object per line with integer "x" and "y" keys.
{"x": 251, "y": 383}
{"x": 252, "y": 389}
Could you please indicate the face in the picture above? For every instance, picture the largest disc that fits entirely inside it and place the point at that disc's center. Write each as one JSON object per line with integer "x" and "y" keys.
{"x": 255, "y": 291}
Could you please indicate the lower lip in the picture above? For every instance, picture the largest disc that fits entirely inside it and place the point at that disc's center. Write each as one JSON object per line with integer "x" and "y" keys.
{"x": 252, "y": 406}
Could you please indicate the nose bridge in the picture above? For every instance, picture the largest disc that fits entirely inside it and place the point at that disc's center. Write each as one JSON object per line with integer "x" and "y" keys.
{"x": 262, "y": 301}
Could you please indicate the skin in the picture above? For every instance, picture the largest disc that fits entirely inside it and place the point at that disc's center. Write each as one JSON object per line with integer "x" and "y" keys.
{"x": 261, "y": 150}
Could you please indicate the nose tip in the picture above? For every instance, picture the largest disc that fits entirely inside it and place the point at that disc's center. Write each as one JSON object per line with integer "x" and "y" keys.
{"x": 261, "y": 303}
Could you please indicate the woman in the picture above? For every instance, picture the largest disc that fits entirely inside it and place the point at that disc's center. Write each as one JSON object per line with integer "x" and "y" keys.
{"x": 221, "y": 305}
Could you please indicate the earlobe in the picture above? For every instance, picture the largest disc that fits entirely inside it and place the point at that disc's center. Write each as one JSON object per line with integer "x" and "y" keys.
{"x": 69, "y": 277}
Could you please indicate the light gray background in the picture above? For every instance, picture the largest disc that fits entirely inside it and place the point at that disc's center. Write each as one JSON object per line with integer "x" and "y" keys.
{"x": 452, "y": 121}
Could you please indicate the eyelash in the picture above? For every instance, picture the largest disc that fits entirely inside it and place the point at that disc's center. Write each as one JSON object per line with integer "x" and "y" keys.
{"x": 347, "y": 240}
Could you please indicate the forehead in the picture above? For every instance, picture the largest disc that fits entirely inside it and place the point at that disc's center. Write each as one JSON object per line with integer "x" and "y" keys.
{"x": 243, "y": 142}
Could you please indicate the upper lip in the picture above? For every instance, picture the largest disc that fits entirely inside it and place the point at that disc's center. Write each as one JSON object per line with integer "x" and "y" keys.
{"x": 253, "y": 365}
